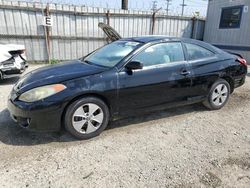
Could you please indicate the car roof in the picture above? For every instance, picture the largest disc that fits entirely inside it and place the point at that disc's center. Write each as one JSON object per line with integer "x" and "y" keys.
{"x": 152, "y": 38}
{"x": 161, "y": 38}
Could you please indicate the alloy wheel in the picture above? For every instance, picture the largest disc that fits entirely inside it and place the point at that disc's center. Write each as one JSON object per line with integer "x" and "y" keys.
{"x": 220, "y": 95}
{"x": 87, "y": 118}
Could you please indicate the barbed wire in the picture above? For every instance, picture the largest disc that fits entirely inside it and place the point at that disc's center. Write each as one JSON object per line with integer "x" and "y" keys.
{"x": 145, "y": 5}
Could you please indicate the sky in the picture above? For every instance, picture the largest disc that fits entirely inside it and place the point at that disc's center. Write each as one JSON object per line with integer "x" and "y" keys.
{"x": 175, "y": 8}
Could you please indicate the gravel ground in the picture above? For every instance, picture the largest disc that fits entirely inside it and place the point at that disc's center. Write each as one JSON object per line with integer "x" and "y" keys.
{"x": 181, "y": 147}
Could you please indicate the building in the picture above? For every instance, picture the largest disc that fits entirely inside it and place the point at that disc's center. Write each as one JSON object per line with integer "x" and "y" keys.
{"x": 228, "y": 26}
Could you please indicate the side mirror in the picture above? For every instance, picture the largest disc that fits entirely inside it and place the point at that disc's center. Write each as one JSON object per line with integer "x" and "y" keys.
{"x": 133, "y": 65}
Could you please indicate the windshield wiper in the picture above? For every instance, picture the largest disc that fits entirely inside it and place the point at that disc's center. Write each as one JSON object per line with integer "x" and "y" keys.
{"x": 87, "y": 61}
{"x": 90, "y": 63}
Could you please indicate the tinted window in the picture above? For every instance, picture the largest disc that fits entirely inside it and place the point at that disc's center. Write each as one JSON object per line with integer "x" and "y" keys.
{"x": 231, "y": 17}
{"x": 197, "y": 52}
{"x": 112, "y": 53}
{"x": 161, "y": 54}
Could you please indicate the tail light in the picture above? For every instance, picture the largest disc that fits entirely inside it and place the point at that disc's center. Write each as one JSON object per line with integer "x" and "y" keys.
{"x": 242, "y": 61}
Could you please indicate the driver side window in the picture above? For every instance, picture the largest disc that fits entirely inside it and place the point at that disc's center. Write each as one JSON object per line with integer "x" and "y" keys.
{"x": 161, "y": 54}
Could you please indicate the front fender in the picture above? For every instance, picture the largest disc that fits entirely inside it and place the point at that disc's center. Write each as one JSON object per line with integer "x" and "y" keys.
{"x": 103, "y": 85}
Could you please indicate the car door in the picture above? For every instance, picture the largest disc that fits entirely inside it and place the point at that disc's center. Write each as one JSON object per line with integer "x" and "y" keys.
{"x": 204, "y": 70}
{"x": 164, "y": 78}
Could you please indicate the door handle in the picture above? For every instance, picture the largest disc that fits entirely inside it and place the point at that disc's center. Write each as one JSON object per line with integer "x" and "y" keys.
{"x": 185, "y": 72}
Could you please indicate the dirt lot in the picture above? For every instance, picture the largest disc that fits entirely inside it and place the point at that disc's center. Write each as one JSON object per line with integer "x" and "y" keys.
{"x": 182, "y": 147}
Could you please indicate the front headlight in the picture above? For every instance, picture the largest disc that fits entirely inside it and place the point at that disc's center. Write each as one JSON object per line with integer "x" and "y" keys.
{"x": 41, "y": 92}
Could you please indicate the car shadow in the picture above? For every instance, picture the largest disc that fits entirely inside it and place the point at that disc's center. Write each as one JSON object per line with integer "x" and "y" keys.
{"x": 157, "y": 115}
{"x": 9, "y": 81}
{"x": 12, "y": 134}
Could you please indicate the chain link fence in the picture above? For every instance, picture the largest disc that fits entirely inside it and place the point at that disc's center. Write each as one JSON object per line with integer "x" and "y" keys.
{"x": 74, "y": 32}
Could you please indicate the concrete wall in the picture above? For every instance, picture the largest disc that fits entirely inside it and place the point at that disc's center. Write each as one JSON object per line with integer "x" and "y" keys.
{"x": 75, "y": 29}
{"x": 235, "y": 40}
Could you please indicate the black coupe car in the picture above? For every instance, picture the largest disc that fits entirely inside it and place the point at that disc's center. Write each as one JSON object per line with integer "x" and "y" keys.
{"x": 122, "y": 78}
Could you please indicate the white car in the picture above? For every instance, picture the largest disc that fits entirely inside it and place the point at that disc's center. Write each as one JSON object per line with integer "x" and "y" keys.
{"x": 12, "y": 60}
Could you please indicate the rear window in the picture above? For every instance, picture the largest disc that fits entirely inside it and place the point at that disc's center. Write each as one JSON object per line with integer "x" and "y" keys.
{"x": 197, "y": 52}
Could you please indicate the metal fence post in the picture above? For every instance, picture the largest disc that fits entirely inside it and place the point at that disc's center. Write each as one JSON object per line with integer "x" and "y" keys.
{"x": 108, "y": 23}
{"x": 153, "y": 23}
{"x": 153, "y": 20}
{"x": 108, "y": 17}
{"x": 193, "y": 26}
{"x": 47, "y": 33}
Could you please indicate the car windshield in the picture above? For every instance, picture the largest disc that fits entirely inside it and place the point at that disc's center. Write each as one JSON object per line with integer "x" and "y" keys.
{"x": 112, "y": 53}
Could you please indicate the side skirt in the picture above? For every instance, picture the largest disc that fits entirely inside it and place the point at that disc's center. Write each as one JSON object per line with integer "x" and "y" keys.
{"x": 189, "y": 101}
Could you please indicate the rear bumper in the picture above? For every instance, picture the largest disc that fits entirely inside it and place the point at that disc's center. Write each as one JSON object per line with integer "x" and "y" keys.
{"x": 13, "y": 66}
{"x": 239, "y": 81}
{"x": 42, "y": 119}
{"x": 13, "y": 69}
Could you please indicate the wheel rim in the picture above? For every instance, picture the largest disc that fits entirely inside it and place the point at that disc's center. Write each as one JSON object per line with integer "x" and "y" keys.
{"x": 220, "y": 95}
{"x": 87, "y": 118}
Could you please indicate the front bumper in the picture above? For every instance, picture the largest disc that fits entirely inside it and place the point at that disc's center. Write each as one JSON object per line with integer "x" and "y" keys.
{"x": 36, "y": 117}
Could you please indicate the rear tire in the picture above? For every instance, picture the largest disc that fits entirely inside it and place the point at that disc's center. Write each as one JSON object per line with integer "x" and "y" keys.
{"x": 86, "y": 117}
{"x": 218, "y": 95}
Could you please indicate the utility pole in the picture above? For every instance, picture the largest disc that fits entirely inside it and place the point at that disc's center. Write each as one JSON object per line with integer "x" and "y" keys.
{"x": 168, "y": 3}
{"x": 154, "y": 6}
{"x": 183, "y": 6}
{"x": 125, "y": 4}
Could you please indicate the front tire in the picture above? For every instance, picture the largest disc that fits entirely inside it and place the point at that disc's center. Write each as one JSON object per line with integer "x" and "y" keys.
{"x": 218, "y": 95}
{"x": 86, "y": 117}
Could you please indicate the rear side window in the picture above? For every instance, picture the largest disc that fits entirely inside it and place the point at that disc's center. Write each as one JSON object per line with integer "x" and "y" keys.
{"x": 197, "y": 52}
{"x": 161, "y": 54}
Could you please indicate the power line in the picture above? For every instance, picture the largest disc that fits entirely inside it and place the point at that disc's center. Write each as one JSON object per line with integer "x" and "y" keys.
{"x": 195, "y": 1}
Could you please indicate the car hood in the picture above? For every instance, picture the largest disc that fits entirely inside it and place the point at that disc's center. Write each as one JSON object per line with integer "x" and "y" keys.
{"x": 56, "y": 74}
